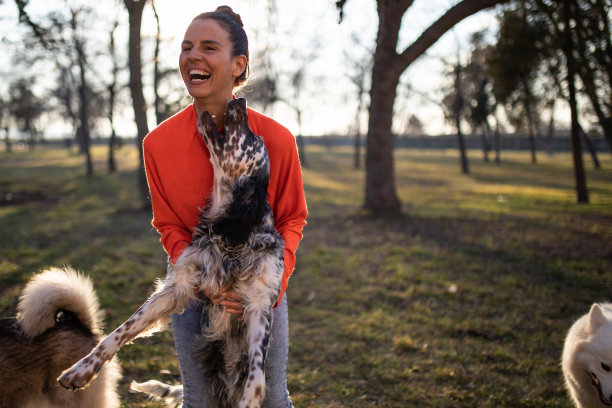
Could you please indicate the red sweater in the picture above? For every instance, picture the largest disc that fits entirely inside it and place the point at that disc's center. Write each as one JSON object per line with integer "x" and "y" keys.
{"x": 180, "y": 178}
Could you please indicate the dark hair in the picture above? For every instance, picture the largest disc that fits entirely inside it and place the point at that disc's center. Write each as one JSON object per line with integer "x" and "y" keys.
{"x": 232, "y": 23}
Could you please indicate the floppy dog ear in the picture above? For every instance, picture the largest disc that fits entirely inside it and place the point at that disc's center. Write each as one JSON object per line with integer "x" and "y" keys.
{"x": 597, "y": 317}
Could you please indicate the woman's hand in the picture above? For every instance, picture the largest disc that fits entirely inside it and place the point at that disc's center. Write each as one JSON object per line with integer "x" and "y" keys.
{"x": 231, "y": 301}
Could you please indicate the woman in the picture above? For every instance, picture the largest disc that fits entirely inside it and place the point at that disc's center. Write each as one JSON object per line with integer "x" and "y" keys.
{"x": 214, "y": 62}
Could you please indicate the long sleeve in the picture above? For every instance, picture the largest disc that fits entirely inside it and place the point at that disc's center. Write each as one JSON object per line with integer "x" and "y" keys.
{"x": 174, "y": 234}
{"x": 180, "y": 177}
{"x": 290, "y": 215}
{"x": 286, "y": 191}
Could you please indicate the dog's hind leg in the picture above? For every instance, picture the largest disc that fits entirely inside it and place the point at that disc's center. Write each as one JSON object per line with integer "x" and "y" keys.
{"x": 258, "y": 330}
{"x": 171, "y": 296}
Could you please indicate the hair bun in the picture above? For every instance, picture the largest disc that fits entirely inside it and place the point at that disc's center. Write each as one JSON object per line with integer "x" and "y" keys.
{"x": 227, "y": 10}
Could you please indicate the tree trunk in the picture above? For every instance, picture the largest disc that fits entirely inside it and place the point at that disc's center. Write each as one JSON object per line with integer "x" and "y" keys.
{"x": 551, "y": 130}
{"x": 380, "y": 192}
{"x": 7, "y": 140}
{"x": 458, "y": 108}
{"x": 135, "y": 9}
{"x": 84, "y": 134}
{"x": 497, "y": 142}
{"x": 112, "y": 87}
{"x": 156, "y": 75}
{"x": 487, "y": 138}
{"x": 357, "y": 138}
{"x": 300, "y": 139}
{"x": 485, "y": 145}
{"x": 381, "y": 197}
{"x": 112, "y": 143}
{"x": 590, "y": 146}
{"x": 531, "y": 123}
{"x": 532, "y": 145}
{"x": 357, "y": 150}
{"x": 579, "y": 173}
{"x": 465, "y": 167}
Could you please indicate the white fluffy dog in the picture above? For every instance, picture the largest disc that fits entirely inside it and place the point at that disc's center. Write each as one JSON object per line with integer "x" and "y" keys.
{"x": 587, "y": 358}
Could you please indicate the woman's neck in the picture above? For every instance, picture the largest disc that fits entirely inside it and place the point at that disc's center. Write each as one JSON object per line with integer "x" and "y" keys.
{"x": 216, "y": 109}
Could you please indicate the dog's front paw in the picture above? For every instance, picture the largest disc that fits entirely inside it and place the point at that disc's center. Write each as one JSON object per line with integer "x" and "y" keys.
{"x": 80, "y": 375}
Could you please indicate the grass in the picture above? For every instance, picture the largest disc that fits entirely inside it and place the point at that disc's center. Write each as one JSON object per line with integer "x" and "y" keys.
{"x": 462, "y": 301}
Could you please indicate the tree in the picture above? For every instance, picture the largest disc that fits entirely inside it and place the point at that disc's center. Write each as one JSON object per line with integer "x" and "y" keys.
{"x": 135, "y": 9}
{"x": 4, "y": 123}
{"x": 479, "y": 95}
{"x": 263, "y": 89}
{"x": 562, "y": 21}
{"x": 112, "y": 97}
{"x": 164, "y": 103}
{"x": 455, "y": 107}
{"x": 26, "y": 108}
{"x": 64, "y": 38}
{"x": 297, "y": 79}
{"x": 513, "y": 64}
{"x": 78, "y": 43}
{"x": 381, "y": 196}
{"x": 414, "y": 126}
{"x": 593, "y": 49}
{"x": 581, "y": 190}
{"x": 66, "y": 95}
{"x": 360, "y": 69}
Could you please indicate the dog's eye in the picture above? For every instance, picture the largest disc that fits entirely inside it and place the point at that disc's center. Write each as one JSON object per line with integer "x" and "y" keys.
{"x": 59, "y": 316}
{"x": 605, "y": 367}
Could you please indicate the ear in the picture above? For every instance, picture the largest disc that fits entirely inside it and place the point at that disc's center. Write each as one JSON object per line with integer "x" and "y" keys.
{"x": 597, "y": 317}
{"x": 239, "y": 64}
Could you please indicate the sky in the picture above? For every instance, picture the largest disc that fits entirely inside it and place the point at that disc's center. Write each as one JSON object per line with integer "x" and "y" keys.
{"x": 301, "y": 29}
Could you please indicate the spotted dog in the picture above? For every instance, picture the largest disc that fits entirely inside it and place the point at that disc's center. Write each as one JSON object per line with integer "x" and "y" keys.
{"x": 234, "y": 245}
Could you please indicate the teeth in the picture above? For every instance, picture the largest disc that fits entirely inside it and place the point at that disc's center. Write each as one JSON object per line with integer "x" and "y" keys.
{"x": 197, "y": 74}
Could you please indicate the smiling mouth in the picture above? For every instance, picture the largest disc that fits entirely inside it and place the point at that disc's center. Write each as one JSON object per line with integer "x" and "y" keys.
{"x": 597, "y": 385}
{"x": 196, "y": 75}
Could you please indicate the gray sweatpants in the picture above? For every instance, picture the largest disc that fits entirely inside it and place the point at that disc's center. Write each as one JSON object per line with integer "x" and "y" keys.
{"x": 196, "y": 391}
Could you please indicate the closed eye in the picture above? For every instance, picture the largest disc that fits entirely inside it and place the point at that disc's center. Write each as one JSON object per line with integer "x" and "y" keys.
{"x": 209, "y": 45}
{"x": 605, "y": 367}
{"x": 186, "y": 46}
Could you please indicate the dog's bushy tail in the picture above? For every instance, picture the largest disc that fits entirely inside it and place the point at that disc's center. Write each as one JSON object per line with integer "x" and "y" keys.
{"x": 171, "y": 394}
{"x": 53, "y": 290}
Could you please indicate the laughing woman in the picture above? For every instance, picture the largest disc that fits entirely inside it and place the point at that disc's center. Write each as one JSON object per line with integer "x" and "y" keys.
{"x": 214, "y": 63}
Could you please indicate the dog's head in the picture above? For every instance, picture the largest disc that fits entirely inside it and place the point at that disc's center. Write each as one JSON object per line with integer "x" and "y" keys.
{"x": 237, "y": 151}
{"x": 595, "y": 353}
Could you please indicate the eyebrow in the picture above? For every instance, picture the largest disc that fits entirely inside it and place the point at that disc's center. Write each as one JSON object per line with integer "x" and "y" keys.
{"x": 203, "y": 42}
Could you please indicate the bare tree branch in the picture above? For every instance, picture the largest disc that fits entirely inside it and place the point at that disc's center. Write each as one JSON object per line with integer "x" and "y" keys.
{"x": 453, "y": 16}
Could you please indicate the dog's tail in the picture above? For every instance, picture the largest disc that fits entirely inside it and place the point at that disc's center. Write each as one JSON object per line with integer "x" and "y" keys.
{"x": 171, "y": 394}
{"x": 53, "y": 291}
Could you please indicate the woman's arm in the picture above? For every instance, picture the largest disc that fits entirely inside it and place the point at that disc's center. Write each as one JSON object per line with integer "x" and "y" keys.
{"x": 289, "y": 206}
{"x": 174, "y": 234}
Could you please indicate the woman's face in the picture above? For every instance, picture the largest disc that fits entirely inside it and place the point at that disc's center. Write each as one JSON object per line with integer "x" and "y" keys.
{"x": 206, "y": 63}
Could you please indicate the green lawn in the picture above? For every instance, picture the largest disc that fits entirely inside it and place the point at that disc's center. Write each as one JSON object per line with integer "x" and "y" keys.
{"x": 462, "y": 301}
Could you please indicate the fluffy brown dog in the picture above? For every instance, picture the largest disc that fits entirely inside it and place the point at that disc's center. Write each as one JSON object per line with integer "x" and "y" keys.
{"x": 58, "y": 322}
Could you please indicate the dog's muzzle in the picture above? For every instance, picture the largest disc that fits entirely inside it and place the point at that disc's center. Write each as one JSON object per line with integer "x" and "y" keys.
{"x": 597, "y": 385}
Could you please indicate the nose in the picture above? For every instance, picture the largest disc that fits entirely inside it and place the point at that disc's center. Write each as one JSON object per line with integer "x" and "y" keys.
{"x": 195, "y": 54}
